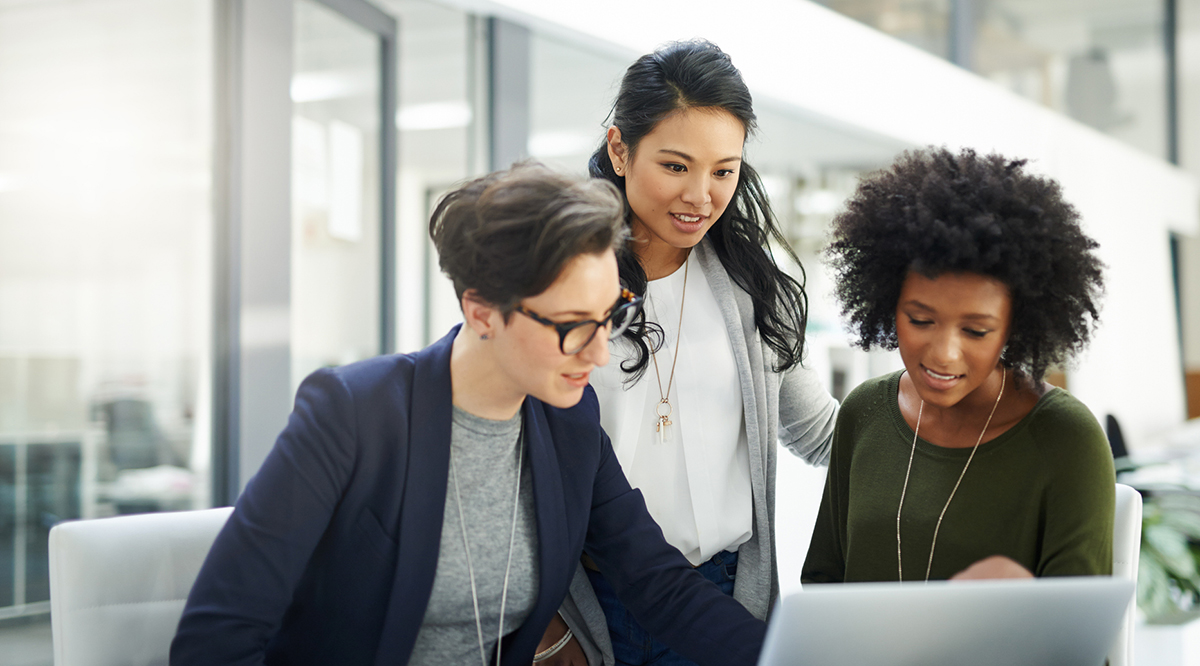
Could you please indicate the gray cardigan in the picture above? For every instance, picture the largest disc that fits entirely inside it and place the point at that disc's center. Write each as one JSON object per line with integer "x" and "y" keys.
{"x": 790, "y": 408}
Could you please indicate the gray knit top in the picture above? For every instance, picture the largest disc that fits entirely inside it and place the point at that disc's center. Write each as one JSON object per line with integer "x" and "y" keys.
{"x": 484, "y": 456}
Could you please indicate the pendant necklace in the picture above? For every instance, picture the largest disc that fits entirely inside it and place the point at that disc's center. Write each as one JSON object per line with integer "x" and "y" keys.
{"x": 904, "y": 490}
{"x": 663, "y": 409}
{"x": 511, "y": 540}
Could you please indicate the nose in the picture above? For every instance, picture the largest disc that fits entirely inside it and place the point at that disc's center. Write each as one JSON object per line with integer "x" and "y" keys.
{"x": 698, "y": 190}
{"x": 946, "y": 349}
{"x": 596, "y": 351}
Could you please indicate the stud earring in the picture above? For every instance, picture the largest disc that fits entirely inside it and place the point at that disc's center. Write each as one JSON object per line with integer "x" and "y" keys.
{"x": 484, "y": 336}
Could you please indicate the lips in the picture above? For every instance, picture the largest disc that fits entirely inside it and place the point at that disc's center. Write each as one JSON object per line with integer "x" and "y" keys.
{"x": 688, "y": 224}
{"x": 939, "y": 380}
{"x": 578, "y": 379}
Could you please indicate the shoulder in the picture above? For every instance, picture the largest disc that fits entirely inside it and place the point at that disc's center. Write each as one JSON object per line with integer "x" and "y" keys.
{"x": 871, "y": 398}
{"x": 1069, "y": 441}
{"x": 1074, "y": 458}
{"x": 391, "y": 373}
{"x": 865, "y": 413}
{"x": 377, "y": 391}
{"x": 363, "y": 379}
{"x": 1061, "y": 423}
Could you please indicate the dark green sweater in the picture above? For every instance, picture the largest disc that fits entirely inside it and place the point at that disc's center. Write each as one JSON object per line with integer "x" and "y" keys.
{"x": 1042, "y": 493}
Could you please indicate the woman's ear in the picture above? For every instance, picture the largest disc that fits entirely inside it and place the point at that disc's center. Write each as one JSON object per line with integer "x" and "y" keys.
{"x": 617, "y": 151}
{"x": 478, "y": 314}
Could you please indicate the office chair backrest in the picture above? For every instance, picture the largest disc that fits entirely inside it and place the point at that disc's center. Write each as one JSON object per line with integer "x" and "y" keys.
{"x": 1127, "y": 543}
{"x": 118, "y": 585}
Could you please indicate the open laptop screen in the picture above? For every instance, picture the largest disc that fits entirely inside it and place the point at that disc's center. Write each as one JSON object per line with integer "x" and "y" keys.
{"x": 1051, "y": 621}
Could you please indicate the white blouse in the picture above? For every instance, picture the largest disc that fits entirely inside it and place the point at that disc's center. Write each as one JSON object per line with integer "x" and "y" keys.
{"x": 697, "y": 481}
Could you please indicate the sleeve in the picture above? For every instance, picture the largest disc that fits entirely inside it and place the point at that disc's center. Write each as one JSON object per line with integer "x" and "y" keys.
{"x": 246, "y": 583}
{"x": 653, "y": 579}
{"x": 807, "y": 414}
{"x": 1080, "y": 495}
{"x": 826, "y": 559}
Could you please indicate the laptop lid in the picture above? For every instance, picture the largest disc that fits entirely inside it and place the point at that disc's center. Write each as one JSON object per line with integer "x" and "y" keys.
{"x": 1052, "y": 621}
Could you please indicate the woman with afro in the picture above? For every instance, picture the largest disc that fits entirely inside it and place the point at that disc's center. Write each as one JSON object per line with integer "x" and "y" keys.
{"x": 966, "y": 463}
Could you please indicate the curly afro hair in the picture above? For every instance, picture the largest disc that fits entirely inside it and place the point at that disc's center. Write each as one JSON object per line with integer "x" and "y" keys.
{"x": 936, "y": 212}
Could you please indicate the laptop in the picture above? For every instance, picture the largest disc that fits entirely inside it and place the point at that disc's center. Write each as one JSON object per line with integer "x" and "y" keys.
{"x": 1069, "y": 621}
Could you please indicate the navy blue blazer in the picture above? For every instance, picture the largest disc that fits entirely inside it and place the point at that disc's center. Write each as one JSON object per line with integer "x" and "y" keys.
{"x": 330, "y": 554}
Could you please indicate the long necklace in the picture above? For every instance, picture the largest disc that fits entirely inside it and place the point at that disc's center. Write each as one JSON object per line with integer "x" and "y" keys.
{"x": 511, "y": 540}
{"x": 904, "y": 490}
{"x": 663, "y": 408}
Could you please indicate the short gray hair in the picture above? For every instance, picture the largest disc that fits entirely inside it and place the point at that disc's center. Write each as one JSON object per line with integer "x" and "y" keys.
{"x": 508, "y": 235}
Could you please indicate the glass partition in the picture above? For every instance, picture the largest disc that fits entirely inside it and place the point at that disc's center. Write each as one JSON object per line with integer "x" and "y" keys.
{"x": 572, "y": 92}
{"x": 105, "y": 269}
{"x": 441, "y": 124}
{"x": 335, "y": 191}
{"x": 1102, "y": 62}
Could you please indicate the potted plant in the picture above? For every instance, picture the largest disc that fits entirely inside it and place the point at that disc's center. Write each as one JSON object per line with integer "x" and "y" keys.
{"x": 1169, "y": 571}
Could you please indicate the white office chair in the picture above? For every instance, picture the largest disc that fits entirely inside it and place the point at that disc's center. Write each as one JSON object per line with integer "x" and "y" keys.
{"x": 118, "y": 585}
{"x": 1127, "y": 544}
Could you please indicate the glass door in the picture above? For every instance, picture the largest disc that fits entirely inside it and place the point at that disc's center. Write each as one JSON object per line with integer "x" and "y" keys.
{"x": 105, "y": 270}
{"x": 340, "y": 224}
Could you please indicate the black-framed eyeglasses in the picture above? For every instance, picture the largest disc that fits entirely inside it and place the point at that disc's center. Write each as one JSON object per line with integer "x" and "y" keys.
{"x": 574, "y": 336}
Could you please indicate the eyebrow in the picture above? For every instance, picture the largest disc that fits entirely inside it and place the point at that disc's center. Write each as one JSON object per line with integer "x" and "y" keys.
{"x": 680, "y": 153}
{"x": 580, "y": 313}
{"x": 978, "y": 316}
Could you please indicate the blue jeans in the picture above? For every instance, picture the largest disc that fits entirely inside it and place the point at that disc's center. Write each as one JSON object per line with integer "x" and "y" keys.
{"x": 632, "y": 645}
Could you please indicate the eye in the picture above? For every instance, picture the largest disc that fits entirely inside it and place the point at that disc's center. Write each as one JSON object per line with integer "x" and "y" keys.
{"x": 919, "y": 322}
{"x": 675, "y": 167}
{"x": 724, "y": 173}
{"x": 573, "y": 322}
{"x": 975, "y": 333}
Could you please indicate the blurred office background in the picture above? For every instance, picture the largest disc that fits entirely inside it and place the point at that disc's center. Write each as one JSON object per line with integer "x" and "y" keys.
{"x": 202, "y": 201}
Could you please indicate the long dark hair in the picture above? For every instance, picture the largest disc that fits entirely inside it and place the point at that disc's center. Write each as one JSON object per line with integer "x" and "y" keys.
{"x": 697, "y": 74}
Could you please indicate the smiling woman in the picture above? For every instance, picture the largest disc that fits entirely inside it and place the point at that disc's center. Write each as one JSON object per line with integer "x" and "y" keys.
{"x": 707, "y": 383}
{"x": 679, "y": 182}
{"x": 979, "y": 274}
{"x": 951, "y": 330}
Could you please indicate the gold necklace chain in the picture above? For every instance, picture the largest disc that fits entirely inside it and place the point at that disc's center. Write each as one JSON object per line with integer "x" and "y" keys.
{"x": 664, "y": 419}
{"x": 904, "y": 490}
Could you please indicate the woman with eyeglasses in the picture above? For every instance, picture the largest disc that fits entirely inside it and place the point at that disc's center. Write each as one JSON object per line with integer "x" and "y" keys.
{"x": 431, "y": 508}
{"x": 704, "y": 386}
